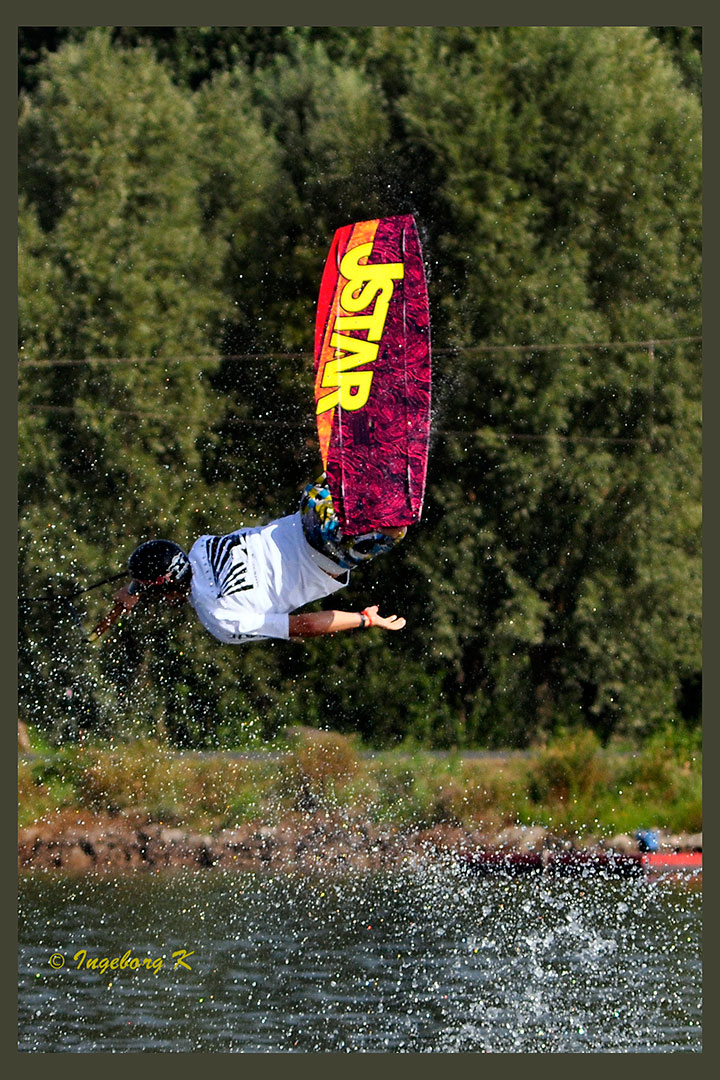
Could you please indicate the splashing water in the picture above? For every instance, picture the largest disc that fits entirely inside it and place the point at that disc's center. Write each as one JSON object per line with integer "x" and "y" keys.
{"x": 426, "y": 959}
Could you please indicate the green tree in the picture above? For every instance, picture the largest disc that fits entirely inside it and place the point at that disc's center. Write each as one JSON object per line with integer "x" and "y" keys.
{"x": 566, "y": 165}
{"x": 114, "y": 263}
{"x": 555, "y": 174}
{"x": 685, "y": 46}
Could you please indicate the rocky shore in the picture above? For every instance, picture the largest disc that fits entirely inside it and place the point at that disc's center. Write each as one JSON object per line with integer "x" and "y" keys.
{"x": 82, "y": 842}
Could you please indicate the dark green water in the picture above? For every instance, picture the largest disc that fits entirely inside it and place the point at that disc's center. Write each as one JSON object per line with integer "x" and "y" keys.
{"x": 423, "y": 960}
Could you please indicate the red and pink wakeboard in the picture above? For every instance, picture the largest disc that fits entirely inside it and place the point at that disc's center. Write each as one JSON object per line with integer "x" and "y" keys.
{"x": 373, "y": 374}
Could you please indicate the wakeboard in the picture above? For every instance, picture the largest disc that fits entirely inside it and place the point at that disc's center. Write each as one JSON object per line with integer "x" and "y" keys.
{"x": 373, "y": 374}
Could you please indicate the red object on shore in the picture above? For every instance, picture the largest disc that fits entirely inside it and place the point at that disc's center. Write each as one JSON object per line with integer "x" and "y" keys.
{"x": 673, "y": 860}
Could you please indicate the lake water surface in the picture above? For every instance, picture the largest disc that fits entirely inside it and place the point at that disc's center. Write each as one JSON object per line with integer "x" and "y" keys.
{"x": 425, "y": 959}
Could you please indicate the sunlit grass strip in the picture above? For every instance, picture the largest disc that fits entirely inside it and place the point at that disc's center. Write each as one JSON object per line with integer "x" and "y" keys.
{"x": 573, "y": 786}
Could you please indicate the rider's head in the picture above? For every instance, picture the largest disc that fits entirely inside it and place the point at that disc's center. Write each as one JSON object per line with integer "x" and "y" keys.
{"x": 159, "y": 568}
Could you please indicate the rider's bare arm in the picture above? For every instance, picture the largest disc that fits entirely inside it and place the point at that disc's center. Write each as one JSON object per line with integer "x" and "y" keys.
{"x": 317, "y": 623}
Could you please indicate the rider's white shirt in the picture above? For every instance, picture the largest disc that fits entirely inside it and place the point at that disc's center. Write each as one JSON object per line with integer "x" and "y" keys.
{"x": 244, "y": 585}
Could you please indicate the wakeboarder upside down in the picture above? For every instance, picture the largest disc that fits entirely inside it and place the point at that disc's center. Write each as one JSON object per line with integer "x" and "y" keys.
{"x": 372, "y": 398}
{"x": 245, "y": 586}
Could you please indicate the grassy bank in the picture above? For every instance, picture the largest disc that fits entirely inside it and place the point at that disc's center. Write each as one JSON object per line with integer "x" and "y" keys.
{"x": 572, "y": 785}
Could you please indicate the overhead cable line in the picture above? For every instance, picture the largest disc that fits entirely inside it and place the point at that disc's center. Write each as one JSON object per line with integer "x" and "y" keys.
{"x": 462, "y": 350}
{"x": 473, "y": 433}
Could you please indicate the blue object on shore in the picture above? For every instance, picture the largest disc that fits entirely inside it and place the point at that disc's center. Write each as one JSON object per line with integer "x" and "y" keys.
{"x": 647, "y": 840}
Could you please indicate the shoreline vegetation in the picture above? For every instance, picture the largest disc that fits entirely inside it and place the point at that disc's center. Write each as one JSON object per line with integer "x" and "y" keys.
{"x": 320, "y": 798}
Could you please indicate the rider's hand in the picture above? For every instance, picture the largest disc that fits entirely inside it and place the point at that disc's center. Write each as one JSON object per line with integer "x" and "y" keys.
{"x": 391, "y": 622}
{"x": 126, "y": 598}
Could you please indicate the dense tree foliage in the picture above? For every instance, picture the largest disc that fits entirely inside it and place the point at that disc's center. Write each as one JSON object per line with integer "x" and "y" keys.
{"x": 179, "y": 188}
